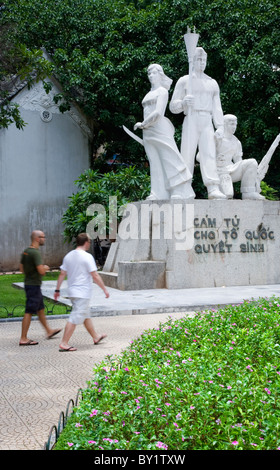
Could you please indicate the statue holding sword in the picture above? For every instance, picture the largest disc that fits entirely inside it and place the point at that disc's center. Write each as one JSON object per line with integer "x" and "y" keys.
{"x": 170, "y": 177}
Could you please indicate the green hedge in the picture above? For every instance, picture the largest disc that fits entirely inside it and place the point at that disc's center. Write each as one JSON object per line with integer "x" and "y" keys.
{"x": 210, "y": 381}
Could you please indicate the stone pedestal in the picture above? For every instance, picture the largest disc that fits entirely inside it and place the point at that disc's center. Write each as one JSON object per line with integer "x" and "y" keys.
{"x": 195, "y": 243}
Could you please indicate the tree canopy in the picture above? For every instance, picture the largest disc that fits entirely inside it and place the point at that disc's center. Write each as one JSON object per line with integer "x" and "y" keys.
{"x": 101, "y": 50}
{"x": 17, "y": 63}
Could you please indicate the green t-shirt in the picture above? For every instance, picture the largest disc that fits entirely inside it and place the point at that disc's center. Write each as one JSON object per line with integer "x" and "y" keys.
{"x": 30, "y": 259}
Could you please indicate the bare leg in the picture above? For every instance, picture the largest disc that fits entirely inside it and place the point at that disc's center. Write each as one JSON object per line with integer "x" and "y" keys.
{"x": 90, "y": 328}
{"x": 69, "y": 330}
{"x": 43, "y": 320}
{"x": 25, "y": 327}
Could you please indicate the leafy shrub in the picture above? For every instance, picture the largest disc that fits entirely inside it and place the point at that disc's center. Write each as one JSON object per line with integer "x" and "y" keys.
{"x": 207, "y": 381}
{"x": 268, "y": 192}
{"x": 128, "y": 185}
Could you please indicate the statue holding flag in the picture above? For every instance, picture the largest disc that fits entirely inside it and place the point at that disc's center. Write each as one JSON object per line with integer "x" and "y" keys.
{"x": 198, "y": 96}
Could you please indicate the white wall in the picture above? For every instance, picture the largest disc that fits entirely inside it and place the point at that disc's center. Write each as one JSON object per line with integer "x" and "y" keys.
{"x": 38, "y": 167}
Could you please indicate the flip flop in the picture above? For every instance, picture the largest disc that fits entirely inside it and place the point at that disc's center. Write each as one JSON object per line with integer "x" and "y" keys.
{"x": 53, "y": 334}
{"x": 29, "y": 343}
{"x": 99, "y": 339}
{"x": 67, "y": 349}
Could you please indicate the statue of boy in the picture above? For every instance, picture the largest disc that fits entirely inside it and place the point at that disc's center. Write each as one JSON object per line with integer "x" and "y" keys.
{"x": 231, "y": 167}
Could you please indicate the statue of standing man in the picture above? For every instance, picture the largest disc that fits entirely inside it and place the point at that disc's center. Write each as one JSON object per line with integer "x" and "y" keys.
{"x": 198, "y": 130}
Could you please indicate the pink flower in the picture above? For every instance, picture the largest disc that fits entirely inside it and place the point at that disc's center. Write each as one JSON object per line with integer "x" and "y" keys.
{"x": 70, "y": 444}
{"x": 92, "y": 442}
{"x": 268, "y": 391}
{"x": 161, "y": 445}
{"x": 234, "y": 443}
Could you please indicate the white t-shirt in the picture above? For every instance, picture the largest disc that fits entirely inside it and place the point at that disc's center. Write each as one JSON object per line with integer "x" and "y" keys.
{"x": 79, "y": 264}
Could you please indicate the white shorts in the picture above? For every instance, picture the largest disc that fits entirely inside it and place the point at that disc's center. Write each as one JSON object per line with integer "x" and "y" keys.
{"x": 80, "y": 310}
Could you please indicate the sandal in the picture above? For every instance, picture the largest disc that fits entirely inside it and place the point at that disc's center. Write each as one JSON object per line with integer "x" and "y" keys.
{"x": 71, "y": 348}
{"x": 99, "y": 339}
{"x": 30, "y": 342}
{"x": 53, "y": 334}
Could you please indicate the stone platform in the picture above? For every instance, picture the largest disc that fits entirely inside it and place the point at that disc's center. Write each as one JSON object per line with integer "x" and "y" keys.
{"x": 195, "y": 244}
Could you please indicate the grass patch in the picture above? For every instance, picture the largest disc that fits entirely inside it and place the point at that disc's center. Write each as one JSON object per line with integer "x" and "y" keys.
{"x": 210, "y": 382}
{"x": 12, "y": 300}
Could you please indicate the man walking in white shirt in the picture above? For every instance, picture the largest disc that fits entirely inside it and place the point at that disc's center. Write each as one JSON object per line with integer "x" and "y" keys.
{"x": 80, "y": 269}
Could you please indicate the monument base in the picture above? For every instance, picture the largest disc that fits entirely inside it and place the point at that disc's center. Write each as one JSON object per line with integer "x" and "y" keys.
{"x": 195, "y": 243}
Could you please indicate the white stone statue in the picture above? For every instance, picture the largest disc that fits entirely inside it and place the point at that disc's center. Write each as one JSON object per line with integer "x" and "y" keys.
{"x": 198, "y": 130}
{"x": 170, "y": 176}
{"x": 231, "y": 167}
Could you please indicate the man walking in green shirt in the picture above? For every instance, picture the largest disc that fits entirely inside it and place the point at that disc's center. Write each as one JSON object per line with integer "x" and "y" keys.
{"x": 32, "y": 266}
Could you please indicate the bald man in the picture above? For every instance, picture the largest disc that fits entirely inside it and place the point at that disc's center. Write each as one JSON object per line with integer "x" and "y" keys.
{"x": 33, "y": 268}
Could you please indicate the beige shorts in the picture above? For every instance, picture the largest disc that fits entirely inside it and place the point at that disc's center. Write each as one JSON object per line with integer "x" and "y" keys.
{"x": 80, "y": 310}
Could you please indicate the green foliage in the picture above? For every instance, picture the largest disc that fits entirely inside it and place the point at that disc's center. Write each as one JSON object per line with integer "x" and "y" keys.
{"x": 10, "y": 113}
{"x": 128, "y": 185}
{"x": 17, "y": 62}
{"x": 101, "y": 50}
{"x": 268, "y": 192}
{"x": 209, "y": 381}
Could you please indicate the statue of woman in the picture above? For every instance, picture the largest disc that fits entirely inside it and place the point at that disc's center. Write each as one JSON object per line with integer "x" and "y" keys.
{"x": 170, "y": 177}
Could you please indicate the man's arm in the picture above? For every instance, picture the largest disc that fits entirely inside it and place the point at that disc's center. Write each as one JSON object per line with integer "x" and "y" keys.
{"x": 176, "y": 104}
{"x": 60, "y": 280}
{"x": 217, "y": 112}
{"x": 42, "y": 269}
{"x": 98, "y": 280}
{"x": 237, "y": 157}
